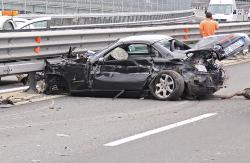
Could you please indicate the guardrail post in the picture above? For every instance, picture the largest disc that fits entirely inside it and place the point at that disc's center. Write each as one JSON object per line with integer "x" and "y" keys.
{"x": 32, "y": 83}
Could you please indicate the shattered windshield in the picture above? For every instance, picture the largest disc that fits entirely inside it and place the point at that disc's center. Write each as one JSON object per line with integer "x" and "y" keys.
{"x": 165, "y": 43}
{"x": 220, "y": 9}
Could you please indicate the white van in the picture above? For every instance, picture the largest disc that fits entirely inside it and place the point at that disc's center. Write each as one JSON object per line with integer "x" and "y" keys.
{"x": 223, "y": 10}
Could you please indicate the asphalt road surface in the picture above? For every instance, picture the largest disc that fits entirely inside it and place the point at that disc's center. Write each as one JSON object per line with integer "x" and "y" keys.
{"x": 102, "y": 130}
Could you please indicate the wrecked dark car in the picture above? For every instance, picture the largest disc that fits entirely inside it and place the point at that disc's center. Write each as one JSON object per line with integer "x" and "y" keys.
{"x": 147, "y": 64}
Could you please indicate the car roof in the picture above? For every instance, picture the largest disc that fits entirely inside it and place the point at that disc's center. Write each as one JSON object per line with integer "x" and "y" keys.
{"x": 150, "y": 39}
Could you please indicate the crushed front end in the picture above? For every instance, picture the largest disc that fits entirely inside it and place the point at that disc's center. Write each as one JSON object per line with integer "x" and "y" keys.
{"x": 65, "y": 75}
{"x": 203, "y": 75}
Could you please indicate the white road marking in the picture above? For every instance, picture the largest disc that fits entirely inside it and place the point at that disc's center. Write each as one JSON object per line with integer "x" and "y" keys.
{"x": 158, "y": 130}
{"x": 14, "y": 89}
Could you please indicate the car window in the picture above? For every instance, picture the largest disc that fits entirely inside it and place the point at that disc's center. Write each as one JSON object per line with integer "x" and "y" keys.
{"x": 130, "y": 51}
{"x": 166, "y": 44}
{"x": 42, "y": 24}
{"x": 37, "y": 25}
{"x": 117, "y": 54}
{"x": 137, "y": 49}
{"x": 173, "y": 45}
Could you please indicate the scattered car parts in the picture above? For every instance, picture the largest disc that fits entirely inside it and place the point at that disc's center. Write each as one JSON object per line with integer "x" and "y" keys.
{"x": 6, "y": 101}
{"x": 245, "y": 93}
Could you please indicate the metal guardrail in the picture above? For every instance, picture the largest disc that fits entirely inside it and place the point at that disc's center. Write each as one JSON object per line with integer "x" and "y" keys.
{"x": 21, "y": 67}
{"x": 181, "y": 20}
{"x": 113, "y": 18}
{"x": 17, "y": 46}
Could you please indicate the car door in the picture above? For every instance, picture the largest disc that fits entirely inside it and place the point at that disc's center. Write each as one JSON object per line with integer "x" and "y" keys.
{"x": 125, "y": 67}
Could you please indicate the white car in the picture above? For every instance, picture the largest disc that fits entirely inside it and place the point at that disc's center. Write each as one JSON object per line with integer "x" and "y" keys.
{"x": 7, "y": 23}
{"x": 17, "y": 23}
{"x": 37, "y": 23}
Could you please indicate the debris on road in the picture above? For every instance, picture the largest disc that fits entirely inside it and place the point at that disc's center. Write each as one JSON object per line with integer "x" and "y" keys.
{"x": 58, "y": 108}
{"x": 14, "y": 98}
{"x": 52, "y": 104}
{"x": 65, "y": 152}
{"x": 6, "y": 100}
{"x": 20, "y": 98}
{"x": 62, "y": 154}
{"x": 245, "y": 93}
{"x": 62, "y": 135}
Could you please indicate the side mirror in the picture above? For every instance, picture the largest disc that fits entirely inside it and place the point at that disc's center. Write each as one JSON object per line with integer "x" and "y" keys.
{"x": 235, "y": 12}
{"x": 205, "y": 12}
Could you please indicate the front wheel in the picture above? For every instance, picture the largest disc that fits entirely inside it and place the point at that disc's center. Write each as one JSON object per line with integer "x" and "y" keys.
{"x": 168, "y": 85}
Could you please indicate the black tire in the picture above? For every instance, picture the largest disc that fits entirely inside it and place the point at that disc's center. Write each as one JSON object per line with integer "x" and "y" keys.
{"x": 168, "y": 85}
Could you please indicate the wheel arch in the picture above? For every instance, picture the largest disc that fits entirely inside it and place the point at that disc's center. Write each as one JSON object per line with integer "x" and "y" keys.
{"x": 63, "y": 81}
{"x": 178, "y": 78}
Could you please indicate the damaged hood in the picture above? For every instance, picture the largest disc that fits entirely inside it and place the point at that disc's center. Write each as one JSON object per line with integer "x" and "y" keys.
{"x": 225, "y": 45}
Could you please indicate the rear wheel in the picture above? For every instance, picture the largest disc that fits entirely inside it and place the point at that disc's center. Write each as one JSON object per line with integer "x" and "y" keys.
{"x": 168, "y": 85}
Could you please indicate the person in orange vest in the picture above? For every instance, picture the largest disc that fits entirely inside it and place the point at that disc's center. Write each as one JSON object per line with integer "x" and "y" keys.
{"x": 208, "y": 26}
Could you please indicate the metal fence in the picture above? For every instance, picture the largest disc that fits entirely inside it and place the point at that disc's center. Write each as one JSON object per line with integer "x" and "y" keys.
{"x": 94, "y": 6}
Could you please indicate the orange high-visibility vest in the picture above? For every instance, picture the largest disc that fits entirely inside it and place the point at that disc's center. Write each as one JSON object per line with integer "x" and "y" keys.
{"x": 208, "y": 27}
